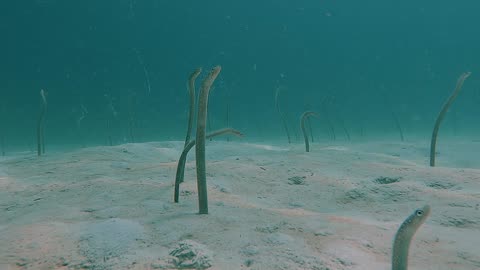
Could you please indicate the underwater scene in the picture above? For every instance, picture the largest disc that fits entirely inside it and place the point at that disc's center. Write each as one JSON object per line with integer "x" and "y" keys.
{"x": 243, "y": 135}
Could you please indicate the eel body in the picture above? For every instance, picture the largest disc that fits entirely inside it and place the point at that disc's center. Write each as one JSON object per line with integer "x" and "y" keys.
{"x": 404, "y": 235}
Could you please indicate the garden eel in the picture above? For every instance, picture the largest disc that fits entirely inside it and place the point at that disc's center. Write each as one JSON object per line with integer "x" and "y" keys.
{"x": 443, "y": 112}
{"x": 40, "y": 124}
{"x": 191, "y": 92}
{"x": 404, "y": 235}
{"x": 200, "y": 139}
{"x": 183, "y": 157}
{"x": 305, "y": 115}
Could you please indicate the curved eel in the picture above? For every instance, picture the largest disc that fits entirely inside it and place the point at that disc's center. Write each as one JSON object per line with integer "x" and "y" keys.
{"x": 183, "y": 157}
{"x": 305, "y": 115}
{"x": 441, "y": 115}
{"x": 191, "y": 93}
{"x": 200, "y": 138}
{"x": 404, "y": 235}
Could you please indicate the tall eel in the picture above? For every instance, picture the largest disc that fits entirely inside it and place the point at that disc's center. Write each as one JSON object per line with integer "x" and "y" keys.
{"x": 191, "y": 93}
{"x": 200, "y": 138}
{"x": 305, "y": 115}
{"x": 404, "y": 236}
{"x": 40, "y": 125}
{"x": 183, "y": 157}
{"x": 441, "y": 115}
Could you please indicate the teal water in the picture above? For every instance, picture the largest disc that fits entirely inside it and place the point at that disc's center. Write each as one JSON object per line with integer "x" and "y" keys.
{"x": 103, "y": 63}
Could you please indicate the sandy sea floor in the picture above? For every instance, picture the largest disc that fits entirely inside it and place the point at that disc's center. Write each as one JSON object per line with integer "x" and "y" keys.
{"x": 271, "y": 207}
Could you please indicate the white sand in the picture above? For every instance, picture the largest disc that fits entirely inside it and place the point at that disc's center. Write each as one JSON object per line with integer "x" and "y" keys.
{"x": 271, "y": 207}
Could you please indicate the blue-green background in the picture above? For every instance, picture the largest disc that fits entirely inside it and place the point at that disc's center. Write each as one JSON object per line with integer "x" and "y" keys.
{"x": 373, "y": 57}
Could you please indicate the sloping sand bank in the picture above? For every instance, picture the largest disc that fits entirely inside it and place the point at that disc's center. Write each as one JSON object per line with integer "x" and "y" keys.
{"x": 271, "y": 207}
